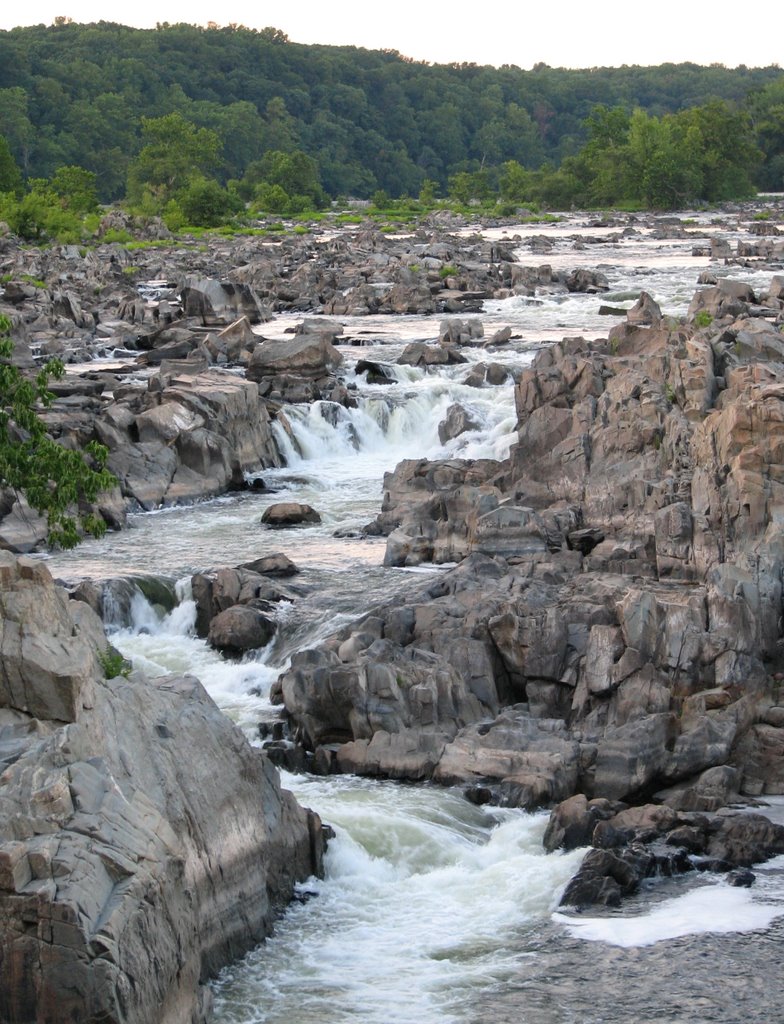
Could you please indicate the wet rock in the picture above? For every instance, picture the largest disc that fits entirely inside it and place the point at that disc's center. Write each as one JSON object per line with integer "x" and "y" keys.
{"x": 376, "y": 373}
{"x": 457, "y": 421}
{"x": 115, "y": 871}
{"x": 276, "y": 564}
{"x": 310, "y": 356}
{"x": 605, "y": 876}
{"x": 420, "y": 353}
{"x": 591, "y": 281}
{"x": 289, "y": 513}
{"x": 741, "y": 878}
{"x": 645, "y": 311}
{"x": 220, "y": 302}
{"x": 239, "y": 629}
{"x": 572, "y": 822}
{"x": 745, "y": 839}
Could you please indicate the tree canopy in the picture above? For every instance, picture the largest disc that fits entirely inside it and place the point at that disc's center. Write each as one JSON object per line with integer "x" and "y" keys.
{"x": 95, "y": 95}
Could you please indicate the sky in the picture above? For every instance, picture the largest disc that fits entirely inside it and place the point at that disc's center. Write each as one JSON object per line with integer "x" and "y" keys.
{"x": 567, "y": 33}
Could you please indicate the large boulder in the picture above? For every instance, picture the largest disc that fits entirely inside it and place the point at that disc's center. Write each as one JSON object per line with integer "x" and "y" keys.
{"x": 241, "y": 628}
{"x": 143, "y": 842}
{"x": 312, "y": 356}
{"x": 194, "y": 436}
{"x": 220, "y": 302}
{"x": 289, "y": 513}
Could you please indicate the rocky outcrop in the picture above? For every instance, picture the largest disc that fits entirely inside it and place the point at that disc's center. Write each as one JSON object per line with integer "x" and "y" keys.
{"x": 617, "y": 608}
{"x": 220, "y": 302}
{"x": 630, "y": 844}
{"x": 130, "y": 869}
{"x": 186, "y": 438}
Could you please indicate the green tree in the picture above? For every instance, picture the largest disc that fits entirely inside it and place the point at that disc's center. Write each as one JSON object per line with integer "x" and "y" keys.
{"x": 15, "y": 124}
{"x": 766, "y": 107}
{"x": 76, "y": 189}
{"x": 56, "y": 481}
{"x": 10, "y": 177}
{"x": 205, "y": 204}
{"x": 39, "y": 215}
{"x": 175, "y": 152}
{"x": 296, "y": 173}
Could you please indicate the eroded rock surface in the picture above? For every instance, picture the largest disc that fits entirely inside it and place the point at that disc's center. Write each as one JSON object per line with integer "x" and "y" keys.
{"x": 143, "y": 842}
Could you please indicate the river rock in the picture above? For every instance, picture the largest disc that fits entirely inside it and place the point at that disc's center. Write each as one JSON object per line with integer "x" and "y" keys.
{"x": 239, "y": 629}
{"x": 190, "y": 437}
{"x": 388, "y": 689}
{"x": 645, "y": 311}
{"x": 289, "y": 513}
{"x": 276, "y": 564}
{"x": 457, "y": 421}
{"x": 222, "y": 589}
{"x": 312, "y": 356}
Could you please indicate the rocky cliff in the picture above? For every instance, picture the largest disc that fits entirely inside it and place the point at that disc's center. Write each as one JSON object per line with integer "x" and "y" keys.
{"x": 143, "y": 842}
{"x": 614, "y": 626}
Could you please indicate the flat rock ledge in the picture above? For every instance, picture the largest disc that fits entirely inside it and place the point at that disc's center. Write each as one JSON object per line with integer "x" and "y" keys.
{"x": 143, "y": 843}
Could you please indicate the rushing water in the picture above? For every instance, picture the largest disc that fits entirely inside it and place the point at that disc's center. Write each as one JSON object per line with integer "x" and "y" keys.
{"x": 434, "y": 911}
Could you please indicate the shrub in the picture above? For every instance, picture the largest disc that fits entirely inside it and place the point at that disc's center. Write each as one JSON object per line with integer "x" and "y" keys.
{"x": 54, "y": 479}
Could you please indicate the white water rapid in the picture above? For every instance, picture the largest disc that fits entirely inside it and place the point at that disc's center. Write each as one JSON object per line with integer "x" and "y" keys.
{"x": 432, "y": 911}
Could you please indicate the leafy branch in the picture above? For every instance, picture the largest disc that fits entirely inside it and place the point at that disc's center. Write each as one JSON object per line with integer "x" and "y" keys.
{"x": 55, "y": 480}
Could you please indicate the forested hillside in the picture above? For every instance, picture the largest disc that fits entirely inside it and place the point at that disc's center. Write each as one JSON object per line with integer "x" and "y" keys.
{"x": 91, "y": 96}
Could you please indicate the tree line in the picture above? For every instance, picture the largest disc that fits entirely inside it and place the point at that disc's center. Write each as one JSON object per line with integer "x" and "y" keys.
{"x": 204, "y": 123}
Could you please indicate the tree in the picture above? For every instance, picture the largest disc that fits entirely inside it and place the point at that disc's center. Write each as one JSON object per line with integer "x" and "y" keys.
{"x": 10, "y": 178}
{"x": 175, "y": 152}
{"x": 55, "y": 480}
{"x": 76, "y": 189}
{"x": 296, "y": 174}
{"x": 767, "y": 110}
{"x": 205, "y": 204}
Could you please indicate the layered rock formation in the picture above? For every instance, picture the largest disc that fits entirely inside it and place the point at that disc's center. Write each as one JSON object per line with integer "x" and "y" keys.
{"x": 143, "y": 842}
{"x": 616, "y": 616}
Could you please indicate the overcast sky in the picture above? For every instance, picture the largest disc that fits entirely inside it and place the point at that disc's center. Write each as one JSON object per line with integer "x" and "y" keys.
{"x": 563, "y": 34}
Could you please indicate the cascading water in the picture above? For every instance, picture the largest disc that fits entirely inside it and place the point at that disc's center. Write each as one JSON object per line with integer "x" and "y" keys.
{"x": 432, "y": 910}
{"x": 424, "y": 905}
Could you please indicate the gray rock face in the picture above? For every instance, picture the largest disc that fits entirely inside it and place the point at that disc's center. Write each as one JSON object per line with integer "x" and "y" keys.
{"x": 220, "y": 302}
{"x": 143, "y": 843}
{"x": 192, "y": 439}
{"x": 308, "y": 355}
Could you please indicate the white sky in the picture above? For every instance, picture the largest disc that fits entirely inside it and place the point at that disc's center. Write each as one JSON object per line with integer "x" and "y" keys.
{"x": 571, "y": 33}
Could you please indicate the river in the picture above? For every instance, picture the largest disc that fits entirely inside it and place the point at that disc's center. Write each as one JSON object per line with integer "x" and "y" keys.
{"x": 434, "y": 911}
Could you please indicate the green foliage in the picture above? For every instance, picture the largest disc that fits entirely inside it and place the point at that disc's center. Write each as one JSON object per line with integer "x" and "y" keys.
{"x": 76, "y": 189}
{"x": 52, "y": 209}
{"x": 703, "y": 318}
{"x": 294, "y": 174}
{"x": 176, "y": 152}
{"x": 467, "y": 187}
{"x": 271, "y": 198}
{"x": 113, "y": 663}
{"x": 205, "y": 204}
{"x": 89, "y": 95}
{"x": 39, "y": 216}
{"x": 10, "y": 175}
{"x": 448, "y": 270}
{"x": 119, "y": 235}
{"x": 55, "y": 480}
